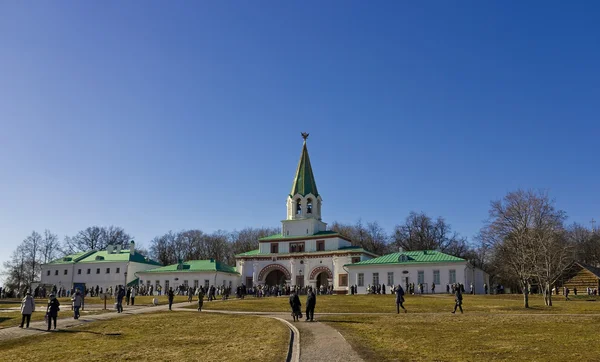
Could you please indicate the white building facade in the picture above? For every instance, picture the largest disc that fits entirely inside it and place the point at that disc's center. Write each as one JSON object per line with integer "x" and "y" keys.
{"x": 97, "y": 268}
{"x": 427, "y": 267}
{"x": 305, "y": 253}
{"x": 192, "y": 273}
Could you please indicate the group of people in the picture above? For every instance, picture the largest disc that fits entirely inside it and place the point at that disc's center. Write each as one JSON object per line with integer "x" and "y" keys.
{"x": 296, "y": 305}
{"x": 457, "y": 289}
{"x": 28, "y": 308}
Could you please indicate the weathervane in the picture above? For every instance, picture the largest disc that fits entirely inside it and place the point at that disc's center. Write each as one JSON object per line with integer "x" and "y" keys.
{"x": 304, "y": 135}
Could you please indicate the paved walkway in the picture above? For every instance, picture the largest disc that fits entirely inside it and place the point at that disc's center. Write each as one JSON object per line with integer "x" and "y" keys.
{"x": 309, "y": 341}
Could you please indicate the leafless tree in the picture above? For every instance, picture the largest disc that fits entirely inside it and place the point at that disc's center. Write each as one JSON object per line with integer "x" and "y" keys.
{"x": 524, "y": 230}
{"x": 97, "y": 238}
{"x": 50, "y": 247}
{"x": 420, "y": 232}
{"x": 371, "y": 237}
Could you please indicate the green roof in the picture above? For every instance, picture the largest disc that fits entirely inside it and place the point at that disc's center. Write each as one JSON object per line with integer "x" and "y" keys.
{"x": 249, "y": 253}
{"x": 304, "y": 182}
{"x": 195, "y": 266}
{"x": 413, "y": 257}
{"x": 104, "y": 256}
{"x": 320, "y": 233}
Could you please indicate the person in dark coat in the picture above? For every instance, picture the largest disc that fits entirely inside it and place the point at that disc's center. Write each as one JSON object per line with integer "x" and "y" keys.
{"x": 296, "y": 305}
{"x": 200, "y": 299}
{"x": 311, "y": 302}
{"x": 399, "y": 299}
{"x": 458, "y": 300}
{"x": 171, "y": 296}
{"x": 128, "y": 295}
{"x": 52, "y": 311}
{"x": 120, "y": 296}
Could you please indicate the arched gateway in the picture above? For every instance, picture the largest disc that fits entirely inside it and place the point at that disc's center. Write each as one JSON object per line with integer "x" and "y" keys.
{"x": 274, "y": 274}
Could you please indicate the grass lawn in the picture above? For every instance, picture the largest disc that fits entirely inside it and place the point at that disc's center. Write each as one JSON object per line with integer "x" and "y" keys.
{"x": 475, "y": 337}
{"x": 440, "y": 303}
{"x": 159, "y": 336}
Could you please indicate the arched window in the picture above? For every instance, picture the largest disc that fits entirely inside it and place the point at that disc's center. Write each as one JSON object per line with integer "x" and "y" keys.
{"x": 309, "y": 206}
{"x": 298, "y": 207}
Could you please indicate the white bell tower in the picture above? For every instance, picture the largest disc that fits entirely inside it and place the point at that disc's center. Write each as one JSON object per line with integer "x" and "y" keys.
{"x": 304, "y": 201}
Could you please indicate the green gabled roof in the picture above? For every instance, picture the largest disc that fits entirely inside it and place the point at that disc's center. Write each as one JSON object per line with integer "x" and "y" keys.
{"x": 100, "y": 256}
{"x": 249, "y": 253}
{"x": 279, "y": 236}
{"x": 304, "y": 182}
{"x": 195, "y": 266}
{"x": 413, "y": 257}
{"x": 70, "y": 259}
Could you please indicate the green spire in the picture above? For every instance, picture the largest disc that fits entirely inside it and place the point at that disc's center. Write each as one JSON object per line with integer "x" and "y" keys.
{"x": 304, "y": 182}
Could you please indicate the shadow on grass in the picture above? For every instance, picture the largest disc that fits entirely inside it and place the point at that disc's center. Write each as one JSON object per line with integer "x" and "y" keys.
{"x": 4, "y": 319}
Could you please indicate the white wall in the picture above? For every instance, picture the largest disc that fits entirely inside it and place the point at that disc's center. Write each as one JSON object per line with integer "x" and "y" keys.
{"x": 214, "y": 278}
{"x": 400, "y": 272}
{"x": 102, "y": 280}
{"x": 310, "y": 245}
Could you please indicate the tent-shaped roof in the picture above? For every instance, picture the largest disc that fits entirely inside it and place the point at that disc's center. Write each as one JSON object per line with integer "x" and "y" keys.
{"x": 304, "y": 182}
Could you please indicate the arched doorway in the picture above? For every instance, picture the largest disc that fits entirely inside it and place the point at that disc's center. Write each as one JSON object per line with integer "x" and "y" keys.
{"x": 275, "y": 277}
{"x": 322, "y": 280}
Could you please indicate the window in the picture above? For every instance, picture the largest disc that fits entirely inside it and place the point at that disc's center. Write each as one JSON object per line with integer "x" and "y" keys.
{"x": 65, "y": 273}
{"x": 309, "y": 206}
{"x": 436, "y": 277}
{"x": 343, "y": 281}
{"x": 156, "y": 284}
{"x": 390, "y": 278}
{"x": 185, "y": 284}
{"x": 355, "y": 259}
{"x": 361, "y": 280}
{"x": 230, "y": 283}
{"x": 166, "y": 286}
{"x": 48, "y": 273}
{"x": 206, "y": 283}
{"x": 298, "y": 206}
{"x": 107, "y": 270}
{"x": 56, "y": 272}
{"x": 274, "y": 248}
{"x": 452, "y": 276}
{"x": 89, "y": 271}
{"x": 78, "y": 271}
{"x": 118, "y": 270}
{"x": 196, "y": 284}
{"x": 421, "y": 277}
{"x": 375, "y": 278}
{"x": 297, "y": 247}
{"x": 320, "y": 245}
{"x": 98, "y": 271}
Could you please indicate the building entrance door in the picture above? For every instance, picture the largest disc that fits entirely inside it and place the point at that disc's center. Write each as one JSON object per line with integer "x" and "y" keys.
{"x": 299, "y": 281}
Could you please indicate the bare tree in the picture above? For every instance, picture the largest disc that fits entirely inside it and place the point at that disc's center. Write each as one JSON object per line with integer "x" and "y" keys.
{"x": 33, "y": 248}
{"x": 371, "y": 237}
{"x": 50, "y": 247}
{"x": 97, "y": 238}
{"x": 420, "y": 232}
{"x": 524, "y": 231}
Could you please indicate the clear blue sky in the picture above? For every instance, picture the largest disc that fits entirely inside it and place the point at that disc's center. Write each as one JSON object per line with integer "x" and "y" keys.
{"x": 159, "y": 116}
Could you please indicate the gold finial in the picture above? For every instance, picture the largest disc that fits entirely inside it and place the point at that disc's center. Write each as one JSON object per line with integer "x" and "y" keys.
{"x": 304, "y": 135}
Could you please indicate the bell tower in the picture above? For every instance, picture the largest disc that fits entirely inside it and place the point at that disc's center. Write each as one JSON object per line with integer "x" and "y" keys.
{"x": 304, "y": 201}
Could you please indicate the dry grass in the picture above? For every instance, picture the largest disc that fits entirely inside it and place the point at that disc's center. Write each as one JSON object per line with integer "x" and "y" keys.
{"x": 441, "y": 303}
{"x": 159, "y": 337}
{"x": 476, "y": 337}
{"x": 13, "y": 318}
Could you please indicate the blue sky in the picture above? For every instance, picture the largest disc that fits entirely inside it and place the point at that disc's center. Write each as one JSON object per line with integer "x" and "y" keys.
{"x": 159, "y": 116}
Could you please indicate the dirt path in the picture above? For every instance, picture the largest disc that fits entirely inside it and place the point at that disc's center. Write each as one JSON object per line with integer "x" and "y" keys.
{"x": 321, "y": 342}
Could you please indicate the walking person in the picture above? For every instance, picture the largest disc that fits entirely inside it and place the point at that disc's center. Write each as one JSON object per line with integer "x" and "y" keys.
{"x": 128, "y": 295}
{"x": 77, "y": 302}
{"x": 296, "y": 305}
{"x": 311, "y": 302}
{"x": 171, "y": 296}
{"x": 458, "y": 300}
{"x": 566, "y": 294}
{"x": 399, "y": 299}
{"x": 133, "y": 296}
{"x": 27, "y": 308}
{"x": 120, "y": 296}
{"x": 200, "y": 299}
{"x": 52, "y": 311}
